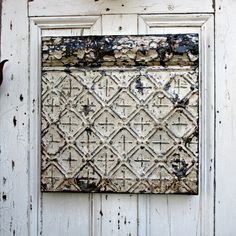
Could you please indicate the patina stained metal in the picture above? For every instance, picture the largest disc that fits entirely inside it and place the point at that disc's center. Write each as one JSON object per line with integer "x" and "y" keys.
{"x": 120, "y": 114}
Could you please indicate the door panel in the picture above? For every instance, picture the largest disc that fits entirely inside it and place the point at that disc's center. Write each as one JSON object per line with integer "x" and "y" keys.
{"x": 121, "y": 214}
{"x": 107, "y": 214}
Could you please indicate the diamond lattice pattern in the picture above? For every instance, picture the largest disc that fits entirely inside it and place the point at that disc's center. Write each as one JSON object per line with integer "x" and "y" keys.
{"x": 107, "y": 129}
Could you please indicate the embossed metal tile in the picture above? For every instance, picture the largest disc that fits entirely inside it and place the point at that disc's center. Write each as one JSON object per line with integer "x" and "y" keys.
{"x": 120, "y": 114}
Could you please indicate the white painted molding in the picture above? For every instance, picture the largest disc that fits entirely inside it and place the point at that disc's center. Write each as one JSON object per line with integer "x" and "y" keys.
{"x": 175, "y": 20}
{"x": 65, "y": 22}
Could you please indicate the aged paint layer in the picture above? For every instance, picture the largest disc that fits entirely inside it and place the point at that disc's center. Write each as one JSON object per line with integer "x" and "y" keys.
{"x": 132, "y": 128}
{"x": 98, "y": 51}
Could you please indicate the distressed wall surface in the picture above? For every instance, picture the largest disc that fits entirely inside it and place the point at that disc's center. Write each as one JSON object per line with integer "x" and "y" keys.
{"x": 14, "y": 115}
{"x": 57, "y": 206}
{"x": 225, "y": 118}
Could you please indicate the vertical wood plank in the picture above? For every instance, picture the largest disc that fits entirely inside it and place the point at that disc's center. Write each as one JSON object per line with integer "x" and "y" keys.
{"x": 65, "y": 214}
{"x": 174, "y": 215}
{"x": 116, "y": 214}
{"x": 34, "y": 127}
{"x": 14, "y": 120}
{"x": 225, "y": 117}
{"x": 143, "y": 215}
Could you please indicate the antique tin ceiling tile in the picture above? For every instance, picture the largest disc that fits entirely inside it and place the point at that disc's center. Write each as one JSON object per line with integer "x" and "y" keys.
{"x": 120, "y": 114}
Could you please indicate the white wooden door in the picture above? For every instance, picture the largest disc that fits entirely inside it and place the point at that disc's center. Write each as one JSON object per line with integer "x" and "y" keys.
{"x": 125, "y": 214}
{"x": 25, "y": 210}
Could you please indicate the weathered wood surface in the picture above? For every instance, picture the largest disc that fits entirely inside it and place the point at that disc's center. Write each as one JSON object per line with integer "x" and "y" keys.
{"x": 152, "y": 213}
{"x": 225, "y": 118}
{"x": 14, "y": 117}
{"x": 97, "y": 7}
{"x": 164, "y": 215}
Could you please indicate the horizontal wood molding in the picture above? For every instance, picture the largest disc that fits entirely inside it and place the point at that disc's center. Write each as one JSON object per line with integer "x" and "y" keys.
{"x": 91, "y": 7}
{"x": 176, "y": 20}
{"x": 65, "y": 22}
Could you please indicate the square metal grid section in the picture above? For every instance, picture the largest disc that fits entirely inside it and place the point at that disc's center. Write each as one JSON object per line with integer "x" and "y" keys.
{"x": 120, "y": 114}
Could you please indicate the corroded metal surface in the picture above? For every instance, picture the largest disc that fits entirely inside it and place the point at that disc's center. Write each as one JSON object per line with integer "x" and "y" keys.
{"x": 132, "y": 128}
{"x": 97, "y": 51}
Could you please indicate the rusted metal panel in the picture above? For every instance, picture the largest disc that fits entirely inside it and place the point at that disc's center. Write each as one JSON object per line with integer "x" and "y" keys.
{"x": 95, "y": 51}
{"x": 120, "y": 114}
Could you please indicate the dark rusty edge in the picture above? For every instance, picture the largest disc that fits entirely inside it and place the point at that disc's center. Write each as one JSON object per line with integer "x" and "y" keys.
{"x": 173, "y": 49}
{"x": 131, "y": 193}
{"x": 96, "y": 189}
